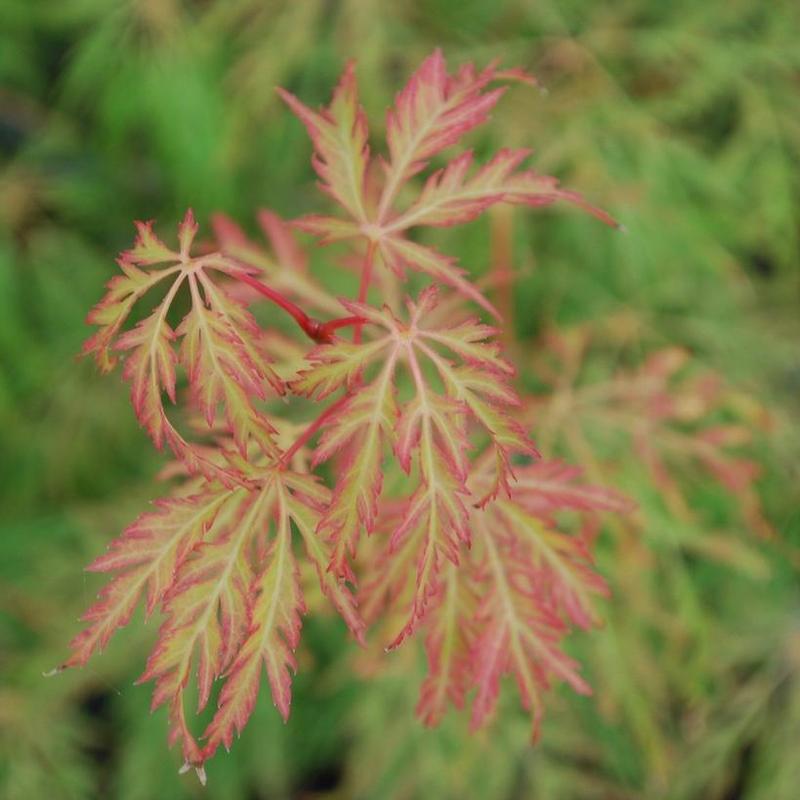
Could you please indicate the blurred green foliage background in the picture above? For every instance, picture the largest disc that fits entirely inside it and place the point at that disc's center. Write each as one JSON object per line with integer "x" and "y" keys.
{"x": 680, "y": 118}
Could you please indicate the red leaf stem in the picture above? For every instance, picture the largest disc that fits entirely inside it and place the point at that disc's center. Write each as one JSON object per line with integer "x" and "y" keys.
{"x": 320, "y": 332}
{"x": 330, "y": 411}
{"x": 366, "y": 277}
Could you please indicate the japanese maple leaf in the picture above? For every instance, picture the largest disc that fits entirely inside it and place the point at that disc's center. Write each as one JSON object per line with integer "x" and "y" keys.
{"x": 432, "y": 113}
{"x": 508, "y": 605}
{"x": 460, "y": 390}
{"x": 220, "y": 345}
{"x": 221, "y": 567}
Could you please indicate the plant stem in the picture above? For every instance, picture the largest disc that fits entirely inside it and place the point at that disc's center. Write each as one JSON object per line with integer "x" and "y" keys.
{"x": 320, "y": 332}
{"x": 297, "y": 313}
{"x": 326, "y": 330}
{"x": 313, "y": 428}
{"x": 343, "y": 322}
{"x": 366, "y": 277}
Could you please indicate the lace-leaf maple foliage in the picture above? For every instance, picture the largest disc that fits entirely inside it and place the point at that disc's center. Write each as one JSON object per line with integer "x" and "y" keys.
{"x": 415, "y": 408}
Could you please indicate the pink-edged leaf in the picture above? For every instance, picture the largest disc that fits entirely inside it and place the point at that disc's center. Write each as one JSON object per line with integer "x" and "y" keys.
{"x": 146, "y": 557}
{"x": 207, "y": 608}
{"x": 150, "y": 370}
{"x": 432, "y": 112}
{"x": 518, "y": 634}
{"x": 560, "y": 565}
{"x": 147, "y": 248}
{"x": 222, "y": 350}
{"x": 448, "y": 645}
{"x": 226, "y": 365}
{"x": 434, "y": 527}
{"x": 306, "y": 516}
{"x": 279, "y": 233}
{"x": 547, "y": 486}
{"x": 359, "y": 431}
{"x": 110, "y": 314}
{"x": 339, "y": 134}
{"x": 275, "y": 609}
{"x": 450, "y": 197}
{"x": 328, "y": 229}
{"x": 187, "y": 230}
{"x": 335, "y": 366}
{"x": 400, "y": 254}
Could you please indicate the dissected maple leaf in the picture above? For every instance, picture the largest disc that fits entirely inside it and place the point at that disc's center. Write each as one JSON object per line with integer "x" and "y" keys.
{"x": 508, "y": 604}
{"x": 431, "y": 431}
{"x": 220, "y": 348}
{"x": 145, "y": 558}
{"x": 221, "y": 567}
{"x": 433, "y": 112}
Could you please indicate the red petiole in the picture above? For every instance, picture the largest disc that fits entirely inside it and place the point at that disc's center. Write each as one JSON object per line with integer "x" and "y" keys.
{"x": 313, "y": 428}
{"x": 328, "y": 328}
{"x": 320, "y": 332}
{"x": 366, "y": 277}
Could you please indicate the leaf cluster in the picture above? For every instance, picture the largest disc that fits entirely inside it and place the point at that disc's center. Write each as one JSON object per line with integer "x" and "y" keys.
{"x": 472, "y": 549}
